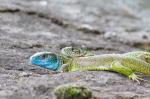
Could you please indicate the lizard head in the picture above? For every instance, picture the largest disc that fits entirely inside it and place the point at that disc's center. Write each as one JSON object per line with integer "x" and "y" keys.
{"x": 46, "y": 60}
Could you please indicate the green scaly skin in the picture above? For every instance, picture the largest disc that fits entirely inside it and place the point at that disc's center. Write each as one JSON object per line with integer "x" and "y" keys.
{"x": 126, "y": 64}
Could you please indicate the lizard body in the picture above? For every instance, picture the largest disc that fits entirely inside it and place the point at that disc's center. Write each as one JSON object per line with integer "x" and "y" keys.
{"x": 127, "y": 64}
{"x": 108, "y": 62}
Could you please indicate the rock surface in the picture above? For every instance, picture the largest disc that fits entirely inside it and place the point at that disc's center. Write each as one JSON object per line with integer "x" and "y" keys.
{"x": 102, "y": 26}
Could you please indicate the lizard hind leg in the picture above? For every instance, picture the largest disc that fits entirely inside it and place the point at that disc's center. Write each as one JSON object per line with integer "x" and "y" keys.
{"x": 118, "y": 67}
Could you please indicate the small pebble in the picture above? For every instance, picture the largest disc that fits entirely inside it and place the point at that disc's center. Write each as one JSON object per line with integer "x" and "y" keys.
{"x": 145, "y": 37}
{"x": 25, "y": 74}
{"x": 109, "y": 35}
{"x": 43, "y": 3}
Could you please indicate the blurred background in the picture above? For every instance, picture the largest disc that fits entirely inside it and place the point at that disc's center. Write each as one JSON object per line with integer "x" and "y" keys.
{"x": 100, "y": 26}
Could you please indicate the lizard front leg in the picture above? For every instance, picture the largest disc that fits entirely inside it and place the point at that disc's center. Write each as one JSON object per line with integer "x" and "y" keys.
{"x": 118, "y": 67}
{"x": 67, "y": 67}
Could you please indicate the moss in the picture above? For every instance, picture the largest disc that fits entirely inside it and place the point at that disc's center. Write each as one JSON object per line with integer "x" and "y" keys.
{"x": 72, "y": 92}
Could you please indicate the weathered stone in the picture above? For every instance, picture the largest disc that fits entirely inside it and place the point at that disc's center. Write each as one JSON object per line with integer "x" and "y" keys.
{"x": 103, "y": 26}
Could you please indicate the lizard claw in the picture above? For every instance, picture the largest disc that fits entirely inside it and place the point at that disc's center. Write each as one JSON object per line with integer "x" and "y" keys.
{"x": 136, "y": 78}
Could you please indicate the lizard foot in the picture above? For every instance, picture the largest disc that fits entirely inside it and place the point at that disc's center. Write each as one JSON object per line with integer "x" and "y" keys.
{"x": 136, "y": 78}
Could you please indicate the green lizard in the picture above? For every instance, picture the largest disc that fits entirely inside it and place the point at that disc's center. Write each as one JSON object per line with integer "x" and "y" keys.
{"x": 75, "y": 59}
{"x": 126, "y": 64}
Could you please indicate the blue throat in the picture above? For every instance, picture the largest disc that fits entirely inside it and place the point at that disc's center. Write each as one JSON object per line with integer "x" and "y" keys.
{"x": 51, "y": 63}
